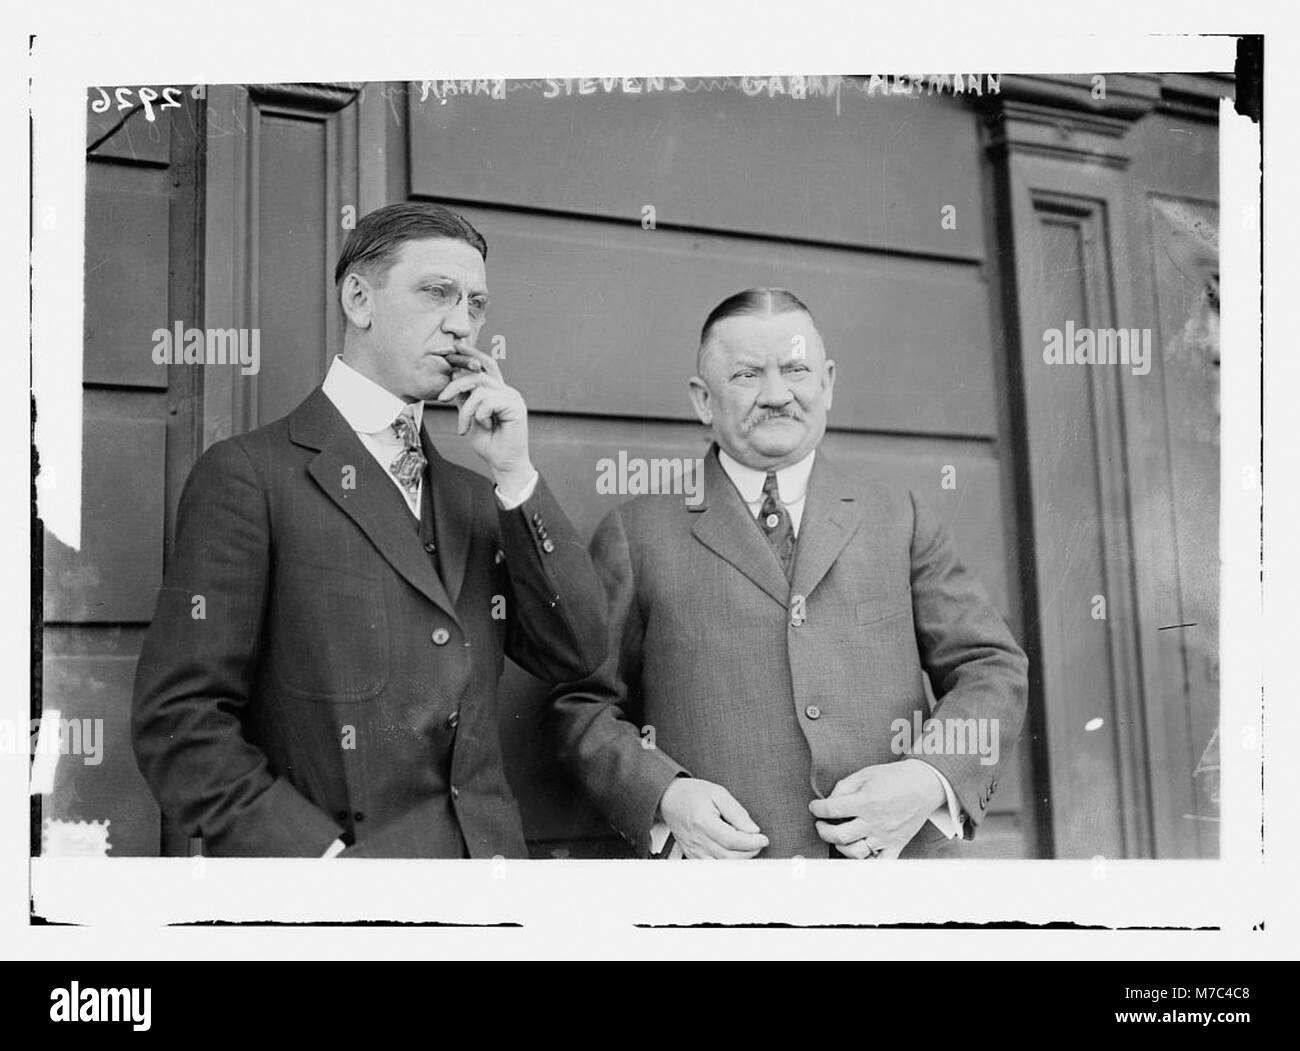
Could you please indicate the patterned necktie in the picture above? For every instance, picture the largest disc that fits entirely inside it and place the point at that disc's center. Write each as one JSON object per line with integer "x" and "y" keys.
{"x": 776, "y": 525}
{"x": 408, "y": 465}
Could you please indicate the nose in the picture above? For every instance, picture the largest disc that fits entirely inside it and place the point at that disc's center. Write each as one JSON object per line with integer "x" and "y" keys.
{"x": 775, "y": 392}
{"x": 457, "y": 321}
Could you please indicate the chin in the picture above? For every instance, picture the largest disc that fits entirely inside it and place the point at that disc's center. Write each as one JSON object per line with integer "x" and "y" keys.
{"x": 429, "y": 387}
{"x": 777, "y": 445}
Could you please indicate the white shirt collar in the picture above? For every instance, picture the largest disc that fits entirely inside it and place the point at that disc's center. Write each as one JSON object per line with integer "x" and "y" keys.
{"x": 366, "y": 406}
{"x": 791, "y": 482}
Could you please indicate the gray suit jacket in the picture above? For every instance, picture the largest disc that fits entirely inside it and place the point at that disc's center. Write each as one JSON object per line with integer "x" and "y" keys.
{"x": 706, "y": 651}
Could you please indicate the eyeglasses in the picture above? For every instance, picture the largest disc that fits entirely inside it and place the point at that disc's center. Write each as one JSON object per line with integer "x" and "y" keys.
{"x": 446, "y": 296}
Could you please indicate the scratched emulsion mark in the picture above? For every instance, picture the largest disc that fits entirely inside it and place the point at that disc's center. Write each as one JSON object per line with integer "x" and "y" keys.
{"x": 1206, "y": 777}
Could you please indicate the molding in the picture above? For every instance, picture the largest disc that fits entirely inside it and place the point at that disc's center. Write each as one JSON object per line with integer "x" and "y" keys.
{"x": 1058, "y": 116}
{"x": 1128, "y": 97}
{"x": 321, "y": 98}
{"x": 1106, "y": 419}
{"x": 1196, "y": 96}
{"x": 1096, "y": 790}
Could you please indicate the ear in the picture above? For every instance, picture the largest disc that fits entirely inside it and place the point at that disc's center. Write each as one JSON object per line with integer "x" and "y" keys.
{"x": 700, "y": 400}
{"x": 828, "y": 382}
{"x": 357, "y": 300}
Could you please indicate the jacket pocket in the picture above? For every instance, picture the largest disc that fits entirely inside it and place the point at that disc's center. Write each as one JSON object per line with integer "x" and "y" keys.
{"x": 884, "y": 607}
{"x": 331, "y": 632}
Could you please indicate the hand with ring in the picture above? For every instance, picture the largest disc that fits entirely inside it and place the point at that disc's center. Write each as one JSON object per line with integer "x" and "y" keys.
{"x": 877, "y": 810}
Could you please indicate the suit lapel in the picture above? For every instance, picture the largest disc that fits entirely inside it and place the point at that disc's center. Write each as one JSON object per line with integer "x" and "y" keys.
{"x": 725, "y": 526}
{"x": 453, "y": 516}
{"x": 374, "y": 504}
{"x": 831, "y": 515}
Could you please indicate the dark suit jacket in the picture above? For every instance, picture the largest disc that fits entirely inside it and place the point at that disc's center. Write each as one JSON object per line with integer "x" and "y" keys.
{"x": 309, "y": 674}
{"x": 706, "y": 649}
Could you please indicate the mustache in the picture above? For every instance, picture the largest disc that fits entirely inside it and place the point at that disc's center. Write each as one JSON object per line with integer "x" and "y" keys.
{"x": 773, "y": 414}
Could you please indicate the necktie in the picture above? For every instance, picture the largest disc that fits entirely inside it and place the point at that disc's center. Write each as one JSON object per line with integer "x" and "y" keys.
{"x": 776, "y": 525}
{"x": 408, "y": 465}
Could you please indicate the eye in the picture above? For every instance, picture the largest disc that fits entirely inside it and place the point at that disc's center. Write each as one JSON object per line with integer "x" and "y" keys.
{"x": 478, "y": 306}
{"x": 743, "y": 374}
{"x": 439, "y": 294}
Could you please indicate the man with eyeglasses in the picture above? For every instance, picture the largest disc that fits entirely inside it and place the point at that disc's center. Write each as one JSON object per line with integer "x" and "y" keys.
{"x": 320, "y": 677}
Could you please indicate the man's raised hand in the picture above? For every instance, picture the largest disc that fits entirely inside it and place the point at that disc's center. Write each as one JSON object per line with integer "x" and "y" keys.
{"x": 492, "y": 414}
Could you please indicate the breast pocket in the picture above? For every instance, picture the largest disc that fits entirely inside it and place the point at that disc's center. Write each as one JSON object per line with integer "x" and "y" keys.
{"x": 884, "y": 607}
{"x": 331, "y": 631}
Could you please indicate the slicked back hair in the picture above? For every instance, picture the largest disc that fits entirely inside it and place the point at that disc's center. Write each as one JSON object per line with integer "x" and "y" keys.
{"x": 372, "y": 246}
{"x": 760, "y": 301}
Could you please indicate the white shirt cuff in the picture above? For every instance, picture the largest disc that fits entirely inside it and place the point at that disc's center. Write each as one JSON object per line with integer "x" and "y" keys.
{"x": 659, "y": 833}
{"x": 946, "y": 818}
{"x": 510, "y": 503}
{"x": 335, "y": 849}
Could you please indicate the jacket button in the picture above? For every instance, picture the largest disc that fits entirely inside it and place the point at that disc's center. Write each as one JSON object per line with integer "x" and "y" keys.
{"x": 498, "y": 558}
{"x": 813, "y": 712}
{"x": 358, "y": 816}
{"x": 430, "y": 547}
{"x": 548, "y": 546}
{"x": 537, "y": 519}
{"x": 440, "y": 636}
{"x": 342, "y": 815}
{"x": 453, "y": 720}
{"x": 455, "y": 792}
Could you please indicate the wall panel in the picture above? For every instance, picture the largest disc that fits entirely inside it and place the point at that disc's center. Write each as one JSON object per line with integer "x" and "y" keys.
{"x": 126, "y": 284}
{"x": 867, "y": 172}
{"x": 605, "y": 318}
{"x": 115, "y": 576}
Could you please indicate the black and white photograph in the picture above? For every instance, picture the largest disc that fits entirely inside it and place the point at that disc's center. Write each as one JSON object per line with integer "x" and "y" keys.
{"x": 571, "y": 474}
